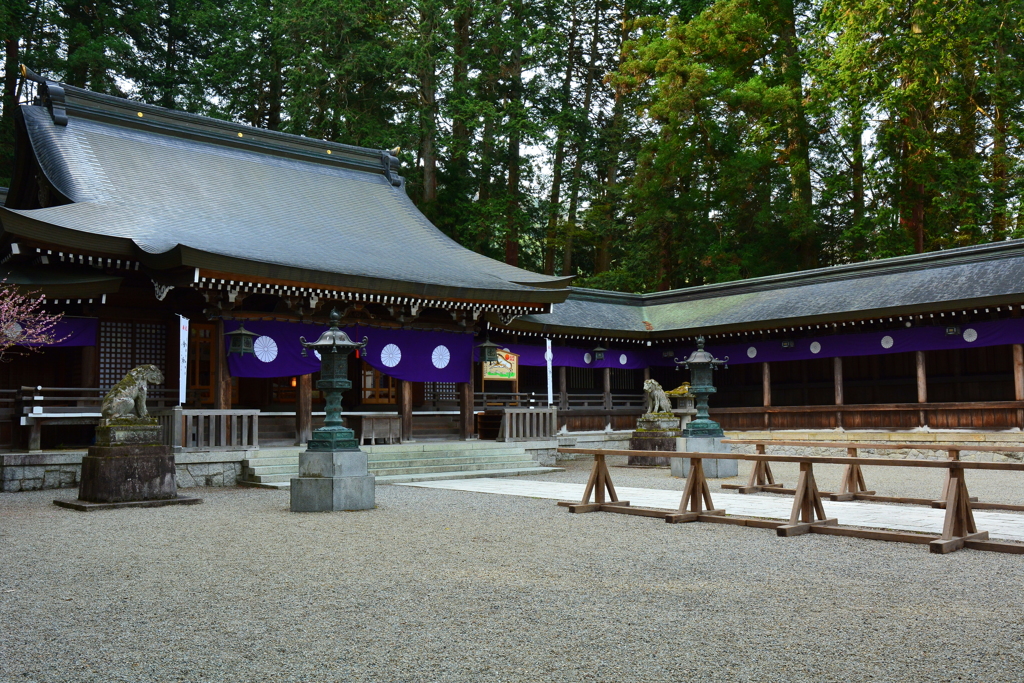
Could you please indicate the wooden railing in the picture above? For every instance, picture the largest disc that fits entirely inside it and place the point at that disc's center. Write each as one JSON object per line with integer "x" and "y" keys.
{"x": 39, "y": 406}
{"x": 490, "y": 399}
{"x": 888, "y": 416}
{"x": 210, "y": 430}
{"x": 808, "y": 513}
{"x": 525, "y": 424}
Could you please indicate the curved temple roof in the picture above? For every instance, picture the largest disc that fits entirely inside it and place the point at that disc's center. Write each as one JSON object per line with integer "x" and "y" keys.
{"x": 969, "y": 277}
{"x": 175, "y": 189}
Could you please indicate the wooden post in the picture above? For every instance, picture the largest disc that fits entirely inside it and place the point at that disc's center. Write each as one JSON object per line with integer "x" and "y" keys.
{"x": 405, "y": 400}
{"x": 959, "y": 525}
{"x": 563, "y": 389}
{"x": 761, "y": 476}
{"x": 647, "y": 373}
{"x": 91, "y": 366}
{"x": 607, "y": 397}
{"x": 599, "y": 483}
{"x": 696, "y": 495}
{"x": 852, "y": 484}
{"x": 837, "y": 380}
{"x": 766, "y": 386}
{"x": 222, "y": 379}
{"x": 465, "y": 393}
{"x": 808, "y": 509}
{"x": 922, "y": 387}
{"x": 303, "y": 409}
{"x": 1018, "y": 380}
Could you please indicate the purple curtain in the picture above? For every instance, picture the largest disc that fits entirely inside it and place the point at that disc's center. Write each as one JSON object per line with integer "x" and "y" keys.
{"x": 412, "y": 355}
{"x": 627, "y": 359}
{"x": 933, "y": 338}
{"x": 75, "y": 332}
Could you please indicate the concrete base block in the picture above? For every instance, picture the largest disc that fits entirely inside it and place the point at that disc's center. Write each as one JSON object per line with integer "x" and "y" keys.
{"x": 349, "y": 463}
{"x": 328, "y": 494}
{"x": 713, "y": 469}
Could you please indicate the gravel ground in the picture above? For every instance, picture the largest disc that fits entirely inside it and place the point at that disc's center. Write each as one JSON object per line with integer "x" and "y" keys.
{"x": 439, "y": 585}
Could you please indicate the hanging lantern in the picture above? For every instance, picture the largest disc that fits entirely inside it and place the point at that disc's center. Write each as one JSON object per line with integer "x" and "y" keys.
{"x": 241, "y": 341}
{"x": 488, "y": 351}
{"x": 599, "y": 352}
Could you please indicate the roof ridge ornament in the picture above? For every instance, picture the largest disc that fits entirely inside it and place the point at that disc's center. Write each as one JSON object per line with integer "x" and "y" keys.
{"x": 51, "y": 95}
{"x": 391, "y": 165}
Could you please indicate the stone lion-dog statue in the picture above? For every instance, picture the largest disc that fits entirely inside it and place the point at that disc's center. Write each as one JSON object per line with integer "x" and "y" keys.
{"x": 128, "y": 397}
{"x": 657, "y": 401}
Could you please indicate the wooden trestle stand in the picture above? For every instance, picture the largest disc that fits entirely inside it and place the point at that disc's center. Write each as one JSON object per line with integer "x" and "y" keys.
{"x": 808, "y": 513}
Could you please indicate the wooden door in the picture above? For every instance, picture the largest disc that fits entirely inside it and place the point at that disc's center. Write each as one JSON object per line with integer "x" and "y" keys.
{"x": 202, "y": 362}
{"x": 378, "y": 387}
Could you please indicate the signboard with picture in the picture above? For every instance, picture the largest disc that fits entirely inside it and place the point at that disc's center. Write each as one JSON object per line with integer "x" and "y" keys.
{"x": 504, "y": 369}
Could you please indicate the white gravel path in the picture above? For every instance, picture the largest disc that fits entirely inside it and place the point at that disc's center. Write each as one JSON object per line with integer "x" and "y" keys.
{"x": 439, "y": 585}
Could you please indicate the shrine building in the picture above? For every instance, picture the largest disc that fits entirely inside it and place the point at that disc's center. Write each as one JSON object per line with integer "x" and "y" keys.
{"x": 158, "y": 234}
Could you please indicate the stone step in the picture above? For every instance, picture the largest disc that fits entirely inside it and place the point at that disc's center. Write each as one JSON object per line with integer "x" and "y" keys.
{"x": 270, "y": 462}
{"x": 291, "y": 468}
{"x": 469, "y": 467}
{"x": 408, "y": 447}
{"x": 457, "y": 460}
{"x": 432, "y": 476}
{"x": 272, "y": 473}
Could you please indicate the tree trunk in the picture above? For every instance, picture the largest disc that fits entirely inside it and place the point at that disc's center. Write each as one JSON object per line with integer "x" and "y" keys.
{"x": 565, "y": 106}
{"x": 578, "y": 145}
{"x": 428, "y": 104}
{"x": 515, "y": 109}
{"x": 797, "y": 145}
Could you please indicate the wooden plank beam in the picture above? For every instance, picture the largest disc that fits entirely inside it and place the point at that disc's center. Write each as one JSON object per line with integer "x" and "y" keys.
{"x": 834, "y": 460}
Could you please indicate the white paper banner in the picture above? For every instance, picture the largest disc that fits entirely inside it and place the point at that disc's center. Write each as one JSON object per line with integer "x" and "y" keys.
{"x": 182, "y": 358}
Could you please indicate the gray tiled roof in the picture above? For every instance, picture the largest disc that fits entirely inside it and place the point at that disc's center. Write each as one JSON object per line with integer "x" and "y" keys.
{"x": 963, "y": 278}
{"x": 180, "y": 189}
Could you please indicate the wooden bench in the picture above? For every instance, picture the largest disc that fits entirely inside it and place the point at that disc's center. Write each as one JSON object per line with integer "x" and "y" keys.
{"x": 385, "y": 427}
{"x": 45, "y": 406}
{"x": 808, "y": 513}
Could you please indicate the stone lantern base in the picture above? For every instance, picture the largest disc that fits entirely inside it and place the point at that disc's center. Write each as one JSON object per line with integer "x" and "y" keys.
{"x": 331, "y": 481}
{"x": 714, "y": 469}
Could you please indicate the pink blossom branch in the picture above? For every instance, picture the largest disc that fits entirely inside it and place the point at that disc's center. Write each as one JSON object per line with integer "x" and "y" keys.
{"x": 23, "y": 322}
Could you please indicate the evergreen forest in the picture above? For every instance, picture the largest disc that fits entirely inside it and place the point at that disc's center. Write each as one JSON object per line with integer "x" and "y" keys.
{"x": 638, "y": 145}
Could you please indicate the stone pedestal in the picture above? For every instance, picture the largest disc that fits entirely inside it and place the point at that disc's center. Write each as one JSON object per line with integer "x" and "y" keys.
{"x": 654, "y": 432}
{"x": 127, "y": 468}
{"x": 129, "y": 431}
{"x": 332, "y": 480}
{"x": 713, "y": 469}
{"x": 115, "y": 474}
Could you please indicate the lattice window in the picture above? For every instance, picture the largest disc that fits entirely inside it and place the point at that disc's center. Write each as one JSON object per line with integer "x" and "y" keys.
{"x": 125, "y": 345}
{"x": 439, "y": 391}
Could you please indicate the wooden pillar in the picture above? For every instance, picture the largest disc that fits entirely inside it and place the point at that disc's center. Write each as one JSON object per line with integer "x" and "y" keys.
{"x": 303, "y": 409}
{"x": 607, "y": 386}
{"x": 466, "y": 410}
{"x": 1018, "y": 380}
{"x": 405, "y": 408}
{"x": 766, "y": 390}
{"x": 222, "y": 379}
{"x": 922, "y": 387}
{"x": 91, "y": 366}
{"x": 837, "y": 380}
{"x": 647, "y": 373}
{"x": 563, "y": 389}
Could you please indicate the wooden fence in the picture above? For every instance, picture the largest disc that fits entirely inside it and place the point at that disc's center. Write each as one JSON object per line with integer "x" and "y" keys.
{"x": 808, "y": 513}
{"x": 210, "y": 430}
{"x": 525, "y": 424}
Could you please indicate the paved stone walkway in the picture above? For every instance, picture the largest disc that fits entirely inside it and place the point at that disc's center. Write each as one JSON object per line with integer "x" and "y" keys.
{"x": 1003, "y": 525}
